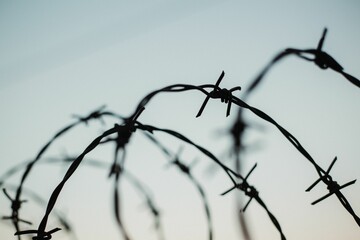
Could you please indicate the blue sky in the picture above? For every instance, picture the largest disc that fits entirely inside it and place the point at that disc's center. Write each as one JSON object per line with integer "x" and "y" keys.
{"x": 70, "y": 57}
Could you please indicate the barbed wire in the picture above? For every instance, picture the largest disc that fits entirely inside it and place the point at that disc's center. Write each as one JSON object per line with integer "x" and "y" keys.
{"x": 124, "y": 131}
{"x": 322, "y": 59}
{"x": 186, "y": 170}
{"x": 229, "y": 172}
{"x": 97, "y": 114}
{"x": 33, "y": 196}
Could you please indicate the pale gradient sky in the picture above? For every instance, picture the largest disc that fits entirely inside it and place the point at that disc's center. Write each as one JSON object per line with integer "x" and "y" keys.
{"x": 60, "y": 58}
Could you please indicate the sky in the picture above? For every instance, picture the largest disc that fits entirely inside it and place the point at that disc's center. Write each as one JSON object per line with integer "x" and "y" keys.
{"x": 60, "y": 58}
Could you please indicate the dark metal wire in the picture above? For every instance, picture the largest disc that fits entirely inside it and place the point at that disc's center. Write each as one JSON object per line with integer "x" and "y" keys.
{"x": 133, "y": 124}
{"x": 322, "y": 59}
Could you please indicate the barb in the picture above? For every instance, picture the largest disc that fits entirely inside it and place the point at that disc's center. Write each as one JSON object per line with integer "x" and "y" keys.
{"x": 251, "y": 192}
{"x": 244, "y": 186}
{"x": 15, "y": 206}
{"x": 322, "y": 59}
{"x": 237, "y": 131}
{"x": 97, "y": 114}
{"x": 334, "y": 188}
{"x": 224, "y": 94}
{"x": 187, "y": 171}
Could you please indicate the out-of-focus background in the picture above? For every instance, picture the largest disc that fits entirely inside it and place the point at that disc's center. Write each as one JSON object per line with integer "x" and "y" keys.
{"x": 60, "y": 58}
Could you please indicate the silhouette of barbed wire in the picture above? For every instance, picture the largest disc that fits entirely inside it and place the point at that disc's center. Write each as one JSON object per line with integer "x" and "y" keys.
{"x": 15, "y": 206}
{"x": 322, "y": 59}
{"x": 300, "y": 148}
{"x": 135, "y": 182}
{"x": 259, "y": 113}
{"x": 33, "y": 196}
{"x": 251, "y": 192}
{"x": 134, "y": 124}
{"x": 236, "y": 132}
{"x": 224, "y": 94}
{"x": 334, "y": 188}
{"x": 128, "y": 126}
{"x": 121, "y": 140}
{"x": 176, "y": 134}
{"x": 41, "y": 233}
{"x": 150, "y": 203}
{"x": 181, "y": 88}
{"x": 97, "y": 114}
{"x": 44, "y": 235}
{"x": 238, "y": 148}
{"x": 152, "y": 129}
{"x": 186, "y": 170}
{"x": 138, "y": 185}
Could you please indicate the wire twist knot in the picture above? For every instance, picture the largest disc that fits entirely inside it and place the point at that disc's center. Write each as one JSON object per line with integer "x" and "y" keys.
{"x": 224, "y": 94}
